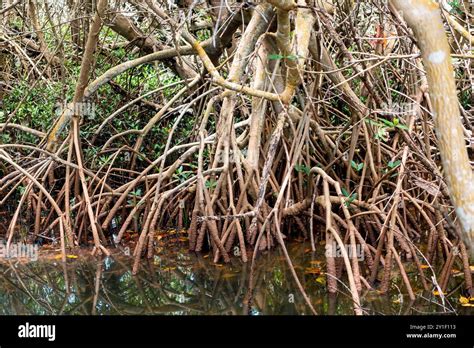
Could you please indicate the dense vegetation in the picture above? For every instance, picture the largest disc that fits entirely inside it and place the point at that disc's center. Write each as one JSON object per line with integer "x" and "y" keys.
{"x": 247, "y": 125}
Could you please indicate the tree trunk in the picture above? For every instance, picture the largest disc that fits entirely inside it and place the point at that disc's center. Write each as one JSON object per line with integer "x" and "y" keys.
{"x": 423, "y": 16}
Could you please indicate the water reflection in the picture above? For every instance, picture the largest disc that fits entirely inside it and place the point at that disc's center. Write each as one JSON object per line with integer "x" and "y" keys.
{"x": 179, "y": 283}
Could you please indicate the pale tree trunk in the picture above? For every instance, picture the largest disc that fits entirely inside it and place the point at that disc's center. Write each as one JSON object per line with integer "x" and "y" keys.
{"x": 423, "y": 16}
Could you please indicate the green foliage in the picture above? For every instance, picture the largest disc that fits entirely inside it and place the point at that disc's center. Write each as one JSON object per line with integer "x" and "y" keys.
{"x": 37, "y": 110}
{"x": 181, "y": 174}
{"x": 350, "y": 197}
{"x": 211, "y": 184}
{"x": 275, "y": 56}
{"x": 384, "y": 126}
{"x": 203, "y": 34}
{"x": 21, "y": 189}
{"x": 357, "y": 166}
{"x": 386, "y": 123}
{"x": 136, "y": 195}
{"x": 456, "y": 6}
{"x": 104, "y": 160}
{"x": 393, "y": 165}
{"x": 465, "y": 98}
{"x": 5, "y": 138}
{"x": 301, "y": 168}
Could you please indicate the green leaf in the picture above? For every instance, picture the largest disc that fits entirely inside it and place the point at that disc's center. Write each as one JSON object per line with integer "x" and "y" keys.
{"x": 21, "y": 189}
{"x": 344, "y": 192}
{"x": 301, "y": 168}
{"x": 136, "y": 193}
{"x": 357, "y": 166}
{"x": 350, "y": 200}
{"x": 395, "y": 164}
{"x": 275, "y": 56}
{"x": 387, "y": 122}
{"x": 211, "y": 184}
{"x": 353, "y": 198}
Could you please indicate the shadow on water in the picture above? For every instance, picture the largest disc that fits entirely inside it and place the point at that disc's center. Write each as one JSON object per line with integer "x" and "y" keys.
{"x": 180, "y": 283}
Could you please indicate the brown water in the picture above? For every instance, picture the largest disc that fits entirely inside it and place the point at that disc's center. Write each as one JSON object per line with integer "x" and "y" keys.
{"x": 179, "y": 283}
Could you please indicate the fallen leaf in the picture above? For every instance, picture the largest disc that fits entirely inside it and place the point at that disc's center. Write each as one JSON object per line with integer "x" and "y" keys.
{"x": 436, "y": 293}
{"x": 60, "y": 256}
{"x": 424, "y": 266}
{"x": 321, "y": 280}
{"x": 315, "y": 262}
{"x": 312, "y": 270}
{"x": 463, "y": 300}
{"x": 468, "y": 305}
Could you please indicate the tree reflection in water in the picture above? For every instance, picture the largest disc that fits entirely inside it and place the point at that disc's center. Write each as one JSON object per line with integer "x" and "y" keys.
{"x": 180, "y": 283}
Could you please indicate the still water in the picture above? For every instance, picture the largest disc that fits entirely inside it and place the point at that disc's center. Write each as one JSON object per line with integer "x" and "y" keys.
{"x": 176, "y": 282}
